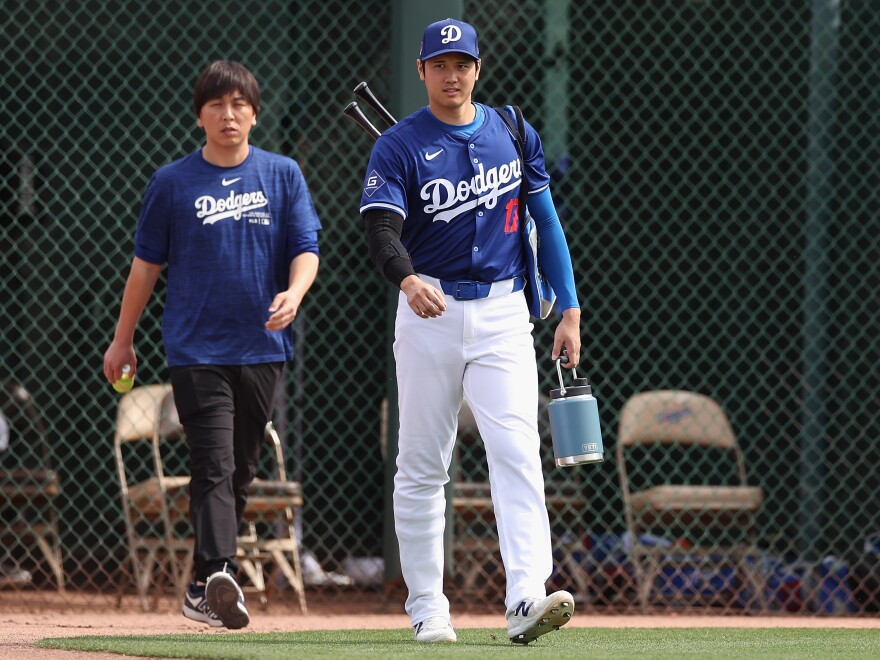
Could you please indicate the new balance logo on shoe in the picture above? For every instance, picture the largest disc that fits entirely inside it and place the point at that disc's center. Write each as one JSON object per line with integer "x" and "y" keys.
{"x": 523, "y": 608}
{"x": 434, "y": 629}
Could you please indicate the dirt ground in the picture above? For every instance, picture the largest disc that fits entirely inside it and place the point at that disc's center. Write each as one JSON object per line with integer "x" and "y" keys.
{"x": 19, "y": 630}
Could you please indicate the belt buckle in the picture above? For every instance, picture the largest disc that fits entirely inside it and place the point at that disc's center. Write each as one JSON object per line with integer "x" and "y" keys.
{"x": 470, "y": 292}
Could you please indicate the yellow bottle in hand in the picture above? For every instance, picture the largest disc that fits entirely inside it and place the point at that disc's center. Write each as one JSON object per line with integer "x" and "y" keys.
{"x": 125, "y": 382}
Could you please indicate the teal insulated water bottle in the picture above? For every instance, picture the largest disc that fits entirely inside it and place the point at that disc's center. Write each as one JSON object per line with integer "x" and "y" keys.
{"x": 574, "y": 423}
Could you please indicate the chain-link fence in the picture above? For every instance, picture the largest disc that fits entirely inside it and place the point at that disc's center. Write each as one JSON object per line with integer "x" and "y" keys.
{"x": 715, "y": 167}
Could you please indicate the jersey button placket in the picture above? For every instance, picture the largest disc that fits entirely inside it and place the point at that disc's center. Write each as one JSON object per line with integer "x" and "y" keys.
{"x": 468, "y": 329}
{"x": 468, "y": 309}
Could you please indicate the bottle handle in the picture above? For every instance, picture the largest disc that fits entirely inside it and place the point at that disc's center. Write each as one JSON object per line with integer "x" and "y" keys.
{"x": 563, "y": 359}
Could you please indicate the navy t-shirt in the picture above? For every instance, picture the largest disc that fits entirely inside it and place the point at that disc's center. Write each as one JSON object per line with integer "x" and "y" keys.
{"x": 228, "y": 235}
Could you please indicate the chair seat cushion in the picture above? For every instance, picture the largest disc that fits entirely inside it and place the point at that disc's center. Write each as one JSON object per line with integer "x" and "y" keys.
{"x": 263, "y": 494}
{"x": 269, "y": 488}
{"x": 28, "y": 485}
{"x": 268, "y": 500}
{"x": 146, "y": 496}
{"x": 698, "y": 498}
{"x": 474, "y": 500}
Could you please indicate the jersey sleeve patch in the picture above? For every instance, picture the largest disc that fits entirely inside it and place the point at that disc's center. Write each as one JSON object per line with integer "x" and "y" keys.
{"x": 373, "y": 183}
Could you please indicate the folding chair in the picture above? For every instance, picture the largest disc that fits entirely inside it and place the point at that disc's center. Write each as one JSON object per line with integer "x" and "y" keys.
{"x": 690, "y": 514}
{"x": 269, "y": 517}
{"x": 28, "y": 485}
{"x": 155, "y": 505}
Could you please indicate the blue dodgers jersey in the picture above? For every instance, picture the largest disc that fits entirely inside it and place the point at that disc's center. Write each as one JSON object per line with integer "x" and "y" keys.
{"x": 458, "y": 196}
{"x": 228, "y": 235}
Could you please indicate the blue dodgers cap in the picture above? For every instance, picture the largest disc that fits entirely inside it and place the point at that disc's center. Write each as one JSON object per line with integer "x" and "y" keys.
{"x": 449, "y": 36}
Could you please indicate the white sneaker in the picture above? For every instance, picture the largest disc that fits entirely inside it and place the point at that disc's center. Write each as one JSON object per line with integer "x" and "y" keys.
{"x": 435, "y": 629}
{"x": 225, "y": 598}
{"x": 10, "y": 576}
{"x": 535, "y": 616}
{"x": 195, "y": 607}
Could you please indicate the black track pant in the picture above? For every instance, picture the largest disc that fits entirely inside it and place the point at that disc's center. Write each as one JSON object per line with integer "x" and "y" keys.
{"x": 224, "y": 411}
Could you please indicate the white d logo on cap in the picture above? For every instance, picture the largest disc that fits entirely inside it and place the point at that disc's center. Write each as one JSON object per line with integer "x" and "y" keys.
{"x": 450, "y": 33}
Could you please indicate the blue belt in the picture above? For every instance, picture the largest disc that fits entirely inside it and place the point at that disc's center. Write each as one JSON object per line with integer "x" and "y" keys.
{"x": 471, "y": 290}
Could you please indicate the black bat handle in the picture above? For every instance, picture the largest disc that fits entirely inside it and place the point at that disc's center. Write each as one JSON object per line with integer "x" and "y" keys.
{"x": 364, "y": 92}
{"x": 353, "y": 112}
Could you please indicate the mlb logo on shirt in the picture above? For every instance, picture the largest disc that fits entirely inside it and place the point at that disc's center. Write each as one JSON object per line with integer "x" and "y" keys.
{"x": 374, "y": 182}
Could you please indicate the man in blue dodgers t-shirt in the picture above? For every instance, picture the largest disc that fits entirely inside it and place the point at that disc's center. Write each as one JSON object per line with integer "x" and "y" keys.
{"x": 239, "y": 232}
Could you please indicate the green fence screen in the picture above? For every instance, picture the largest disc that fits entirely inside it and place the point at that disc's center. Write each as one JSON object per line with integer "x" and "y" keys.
{"x": 715, "y": 166}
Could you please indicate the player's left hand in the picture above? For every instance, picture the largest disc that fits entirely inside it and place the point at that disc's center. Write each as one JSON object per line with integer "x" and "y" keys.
{"x": 568, "y": 338}
{"x": 282, "y": 311}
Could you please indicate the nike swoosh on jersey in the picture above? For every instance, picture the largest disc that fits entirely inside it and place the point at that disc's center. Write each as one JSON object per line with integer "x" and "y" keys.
{"x": 433, "y": 155}
{"x": 229, "y": 182}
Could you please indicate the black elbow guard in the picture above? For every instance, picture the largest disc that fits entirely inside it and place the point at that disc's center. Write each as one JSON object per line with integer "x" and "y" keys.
{"x": 386, "y": 251}
{"x": 398, "y": 268}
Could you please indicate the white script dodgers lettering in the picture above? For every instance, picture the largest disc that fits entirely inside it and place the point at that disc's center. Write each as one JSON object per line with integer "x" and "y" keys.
{"x": 211, "y": 209}
{"x": 453, "y": 199}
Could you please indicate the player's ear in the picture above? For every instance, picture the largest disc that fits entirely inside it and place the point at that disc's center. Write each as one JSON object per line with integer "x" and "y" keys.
{"x": 420, "y": 67}
{"x": 479, "y": 65}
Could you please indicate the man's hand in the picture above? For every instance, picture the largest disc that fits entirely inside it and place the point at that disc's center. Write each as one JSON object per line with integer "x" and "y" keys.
{"x": 302, "y": 271}
{"x": 424, "y": 300}
{"x": 118, "y": 354}
{"x": 568, "y": 337}
{"x": 282, "y": 311}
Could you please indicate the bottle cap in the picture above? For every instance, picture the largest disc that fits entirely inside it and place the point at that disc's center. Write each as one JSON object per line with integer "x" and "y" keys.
{"x": 578, "y": 387}
{"x": 125, "y": 381}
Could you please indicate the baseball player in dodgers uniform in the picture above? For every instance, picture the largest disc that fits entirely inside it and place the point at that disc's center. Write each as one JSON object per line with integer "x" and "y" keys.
{"x": 440, "y": 209}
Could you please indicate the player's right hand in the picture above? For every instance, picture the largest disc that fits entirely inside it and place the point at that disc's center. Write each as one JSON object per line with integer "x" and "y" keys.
{"x": 117, "y": 355}
{"x": 424, "y": 300}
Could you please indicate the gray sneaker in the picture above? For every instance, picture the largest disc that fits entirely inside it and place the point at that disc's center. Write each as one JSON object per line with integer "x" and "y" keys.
{"x": 435, "y": 629}
{"x": 225, "y": 598}
{"x": 534, "y": 617}
{"x": 195, "y": 607}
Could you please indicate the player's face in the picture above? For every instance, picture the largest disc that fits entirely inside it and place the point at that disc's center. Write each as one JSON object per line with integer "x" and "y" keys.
{"x": 227, "y": 121}
{"x": 449, "y": 80}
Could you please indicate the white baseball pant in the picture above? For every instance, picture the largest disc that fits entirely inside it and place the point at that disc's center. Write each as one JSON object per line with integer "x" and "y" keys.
{"x": 482, "y": 350}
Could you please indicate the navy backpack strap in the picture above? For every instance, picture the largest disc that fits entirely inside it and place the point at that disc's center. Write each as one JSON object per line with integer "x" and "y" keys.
{"x": 519, "y": 137}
